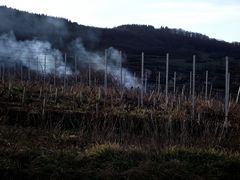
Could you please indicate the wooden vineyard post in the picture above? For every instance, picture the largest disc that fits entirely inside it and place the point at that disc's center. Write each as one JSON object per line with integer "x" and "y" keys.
{"x": 229, "y": 95}
{"x": 56, "y": 94}
{"x": 21, "y": 73}
{"x": 29, "y": 66}
{"x": 134, "y": 76}
{"x": 89, "y": 75}
{"x": 210, "y": 93}
{"x": 37, "y": 69}
{"x": 174, "y": 83}
{"x": 238, "y": 95}
{"x": 75, "y": 64}
{"x": 166, "y": 86}
{"x": 65, "y": 71}
{"x": 142, "y": 76}
{"x": 105, "y": 73}
{"x": 3, "y": 73}
{"x": 44, "y": 75}
{"x": 159, "y": 82}
{"x": 145, "y": 86}
{"x": 190, "y": 84}
{"x": 23, "y": 95}
{"x": 121, "y": 74}
{"x": 40, "y": 92}
{"x": 193, "y": 87}
{"x": 14, "y": 71}
{"x": 50, "y": 89}
{"x": 226, "y": 105}
{"x": 206, "y": 86}
{"x": 8, "y": 73}
{"x": 95, "y": 81}
{"x": 125, "y": 77}
{"x": 43, "y": 108}
{"x": 55, "y": 68}
{"x": 183, "y": 90}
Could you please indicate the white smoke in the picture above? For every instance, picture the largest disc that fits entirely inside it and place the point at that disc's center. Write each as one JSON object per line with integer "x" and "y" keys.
{"x": 40, "y": 56}
{"x": 36, "y": 55}
{"x": 97, "y": 61}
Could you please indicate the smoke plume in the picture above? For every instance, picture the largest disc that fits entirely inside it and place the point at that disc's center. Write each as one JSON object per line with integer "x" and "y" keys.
{"x": 36, "y": 55}
{"x": 97, "y": 61}
{"x": 40, "y": 56}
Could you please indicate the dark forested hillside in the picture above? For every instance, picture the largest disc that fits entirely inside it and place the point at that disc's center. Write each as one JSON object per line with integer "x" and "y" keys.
{"x": 129, "y": 38}
{"x": 132, "y": 40}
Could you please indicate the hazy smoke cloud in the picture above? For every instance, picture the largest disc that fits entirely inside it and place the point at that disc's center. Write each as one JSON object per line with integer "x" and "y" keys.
{"x": 31, "y": 54}
{"x": 48, "y": 29}
{"x": 97, "y": 61}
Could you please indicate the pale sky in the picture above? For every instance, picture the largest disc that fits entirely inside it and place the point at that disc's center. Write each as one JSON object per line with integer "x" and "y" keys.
{"x": 218, "y": 19}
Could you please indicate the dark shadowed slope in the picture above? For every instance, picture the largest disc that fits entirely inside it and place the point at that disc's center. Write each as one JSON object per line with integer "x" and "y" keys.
{"x": 132, "y": 40}
{"x": 129, "y": 38}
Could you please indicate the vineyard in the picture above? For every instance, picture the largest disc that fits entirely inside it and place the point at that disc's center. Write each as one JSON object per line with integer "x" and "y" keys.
{"x": 115, "y": 125}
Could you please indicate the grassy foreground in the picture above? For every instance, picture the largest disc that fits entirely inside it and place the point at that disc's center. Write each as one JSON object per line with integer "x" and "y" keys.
{"x": 81, "y": 133}
{"x": 40, "y": 157}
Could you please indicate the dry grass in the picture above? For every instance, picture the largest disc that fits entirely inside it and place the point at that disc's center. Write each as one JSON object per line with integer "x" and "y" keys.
{"x": 54, "y": 133}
